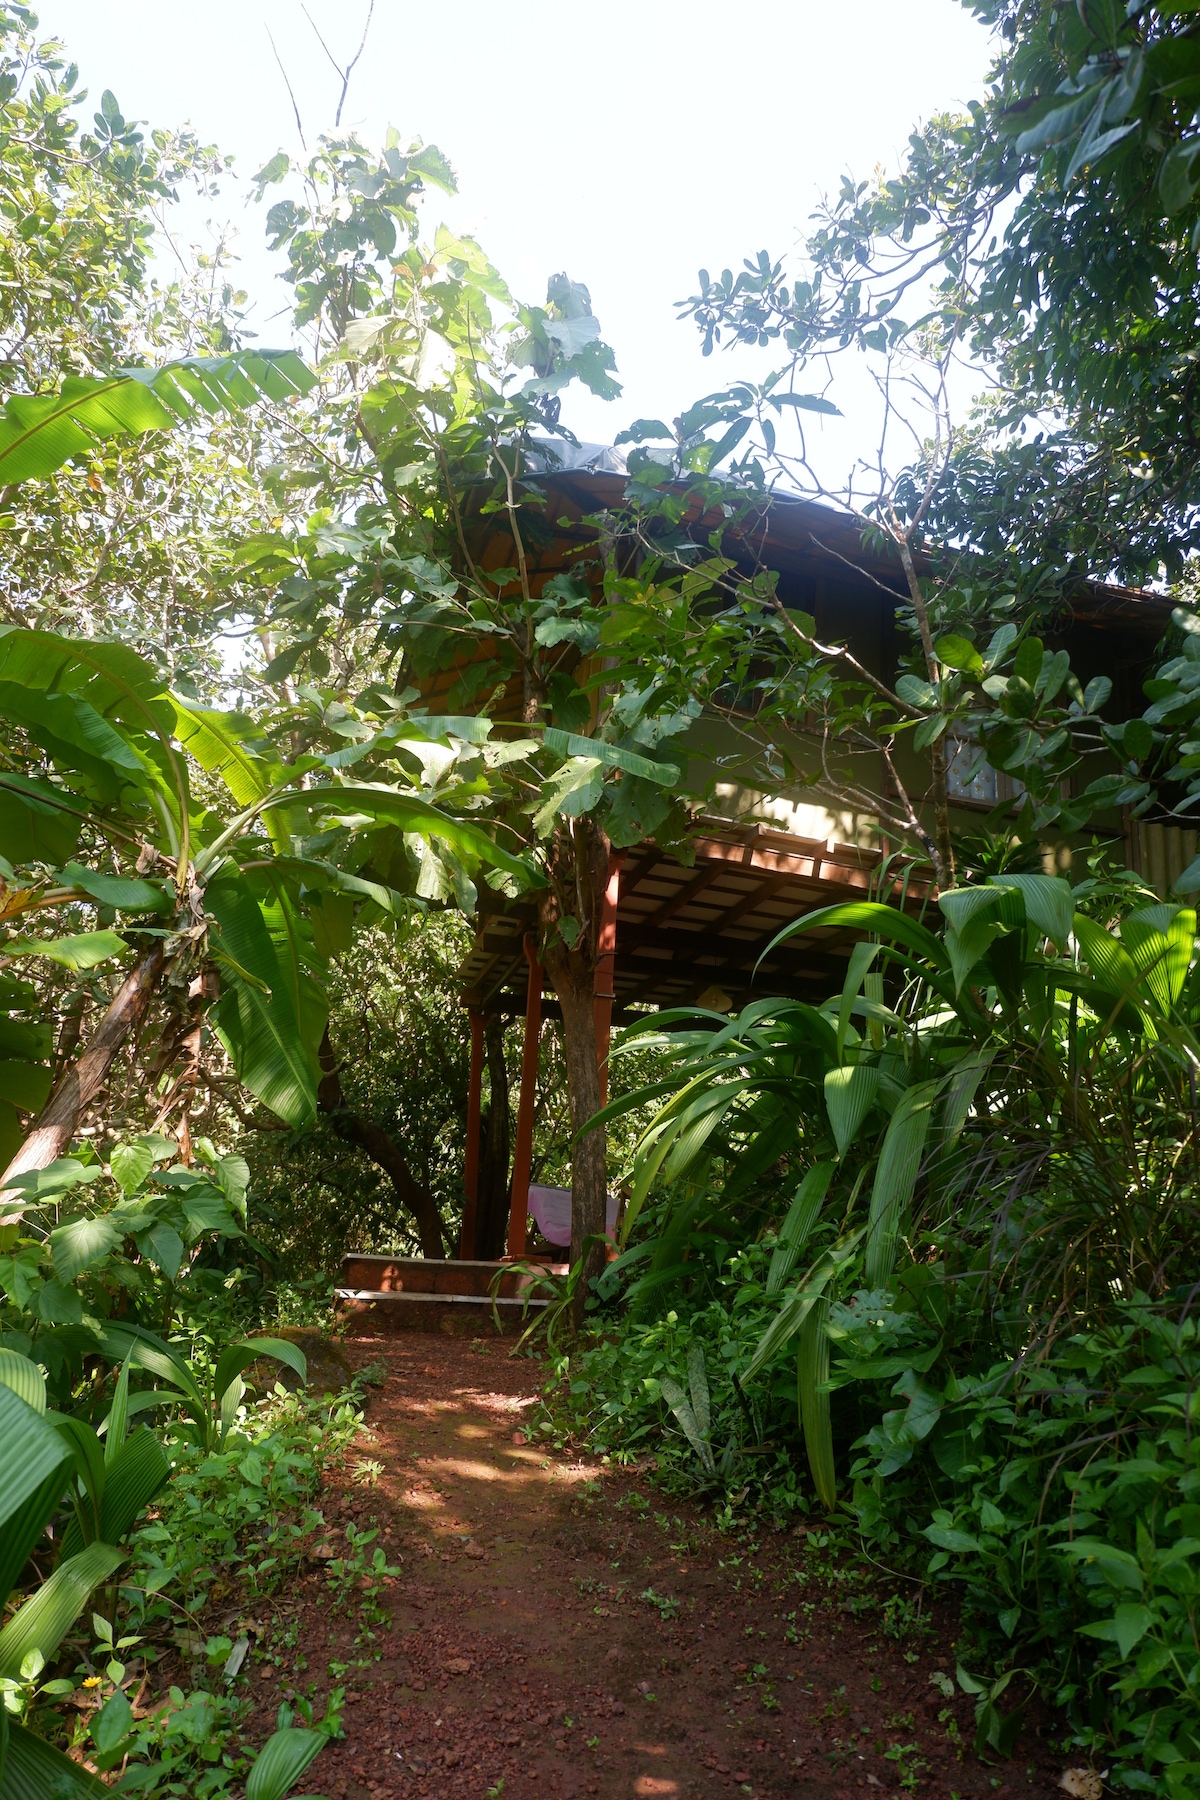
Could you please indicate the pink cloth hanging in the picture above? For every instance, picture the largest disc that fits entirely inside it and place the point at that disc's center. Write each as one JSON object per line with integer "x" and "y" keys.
{"x": 551, "y": 1209}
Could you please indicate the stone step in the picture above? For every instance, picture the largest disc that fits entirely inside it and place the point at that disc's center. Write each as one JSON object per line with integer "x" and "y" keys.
{"x": 413, "y": 1293}
{"x": 428, "y": 1275}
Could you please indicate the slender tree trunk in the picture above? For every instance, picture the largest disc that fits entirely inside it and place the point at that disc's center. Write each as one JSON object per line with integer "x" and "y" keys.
{"x": 944, "y": 855}
{"x": 580, "y": 874}
{"x": 491, "y": 1216}
{"x": 382, "y": 1149}
{"x": 82, "y": 1080}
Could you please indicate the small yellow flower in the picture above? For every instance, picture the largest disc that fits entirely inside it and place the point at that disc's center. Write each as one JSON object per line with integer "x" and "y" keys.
{"x": 91, "y": 1681}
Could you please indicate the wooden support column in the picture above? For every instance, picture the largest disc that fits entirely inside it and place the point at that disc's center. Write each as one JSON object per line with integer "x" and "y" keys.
{"x": 606, "y": 960}
{"x": 523, "y": 1150}
{"x": 466, "y": 1247}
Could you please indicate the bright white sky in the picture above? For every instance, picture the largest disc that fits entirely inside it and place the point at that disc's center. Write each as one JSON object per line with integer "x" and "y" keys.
{"x": 628, "y": 143}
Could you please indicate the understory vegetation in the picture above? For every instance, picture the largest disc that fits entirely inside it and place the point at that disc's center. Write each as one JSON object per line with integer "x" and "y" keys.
{"x": 986, "y": 1170}
{"x": 300, "y": 693}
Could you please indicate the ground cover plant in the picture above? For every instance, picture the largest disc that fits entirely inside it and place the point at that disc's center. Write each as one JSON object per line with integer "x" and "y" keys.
{"x": 983, "y": 1165}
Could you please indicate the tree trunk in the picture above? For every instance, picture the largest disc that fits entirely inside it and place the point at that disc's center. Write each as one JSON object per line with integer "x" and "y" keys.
{"x": 580, "y": 874}
{"x": 491, "y": 1214}
{"x": 82, "y": 1080}
{"x": 382, "y": 1149}
{"x": 944, "y": 853}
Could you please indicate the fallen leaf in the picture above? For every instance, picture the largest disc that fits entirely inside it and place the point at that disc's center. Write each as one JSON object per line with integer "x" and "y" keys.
{"x": 1081, "y": 1784}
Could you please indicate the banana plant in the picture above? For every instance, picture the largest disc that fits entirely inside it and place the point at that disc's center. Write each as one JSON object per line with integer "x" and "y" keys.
{"x": 235, "y": 893}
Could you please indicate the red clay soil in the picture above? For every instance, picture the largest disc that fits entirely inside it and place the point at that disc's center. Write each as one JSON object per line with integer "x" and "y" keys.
{"x": 525, "y": 1660}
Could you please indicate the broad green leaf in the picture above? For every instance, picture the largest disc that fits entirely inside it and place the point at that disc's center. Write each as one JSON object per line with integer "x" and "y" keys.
{"x": 118, "y": 1420}
{"x": 130, "y": 1165}
{"x": 1161, "y": 942}
{"x": 43, "y": 1620}
{"x": 862, "y": 959}
{"x": 570, "y": 743}
{"x": 111, "y": 1730}
{"x": 812, "y": 1392}
{"x": 282, "y": 1761}
{"x": 164, "y": 1247}
{"x": 236, "y": 1358}
{"x": 849, "y": 1096}
{"x": 805, "y": 403}
{"x": 130, "y": 1481}
{"x": 921, "y": 695}
{"x": 24, "y": 1378}
{"x": 40, "y": 432}
{"x": 33, "y": 1451}
{"x": 1189, "y": 881}
{"x": 55, "y": 1179}
{"x": 799, "y": 1303}
{"x": 967, "y": 947}
{"x": 963, "y": 905}
{"x": 26, "y": 1085}
{"x": 1127, "y": 1627}
{"x": 408, "y": 811}
{"x": 685, "y": 1412}
{"x": 1108, "y": 960}
{"x": 86, "y": 951}
{"x": 35, "y": 1770}
{"x": 87, "y": 1453}
{"x": 119, "y": 891}
{"x": 959, "y": 653}
{"x": 797, "y": 1227}
{"x": 573, "y": 790}
{"x": 887, "y": 922}
{"x": 961, "y": 1091}
{"x": 895, "y": 1179}
{"x": 218, "y": 741}
{"x": 1119, "y": 1567}
{"x": 259, "y": 1024}
{"x": 23, "y": 1529}
{"x": 82, "y": 1242}
{"x": 38, "y": 822}
{"x": 146, "y": 1351}
{"x": 698, "y": 1387}
{"x": 1049, "y": 903}
{"x": 948, "y": 1537}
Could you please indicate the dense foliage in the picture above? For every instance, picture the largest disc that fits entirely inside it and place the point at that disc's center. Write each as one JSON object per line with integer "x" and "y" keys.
{"x": 937, "y": 1232}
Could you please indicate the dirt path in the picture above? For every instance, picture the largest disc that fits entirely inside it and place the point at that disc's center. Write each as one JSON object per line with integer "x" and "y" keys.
{"x": 560, "y": 1631}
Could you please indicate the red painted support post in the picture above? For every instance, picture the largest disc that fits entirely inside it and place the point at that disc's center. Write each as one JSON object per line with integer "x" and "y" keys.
{"x": 523, "y": 1150}
{"x": 466, "y": 1246}
{"x": 606, "y": 959}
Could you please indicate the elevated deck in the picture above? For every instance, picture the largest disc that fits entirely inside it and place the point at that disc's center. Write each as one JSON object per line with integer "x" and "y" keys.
{"x": 402, "y": 1293}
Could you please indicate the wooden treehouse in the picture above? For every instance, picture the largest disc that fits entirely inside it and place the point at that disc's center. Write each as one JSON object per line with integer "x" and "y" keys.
{"x": 676, "y": 934}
